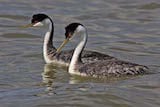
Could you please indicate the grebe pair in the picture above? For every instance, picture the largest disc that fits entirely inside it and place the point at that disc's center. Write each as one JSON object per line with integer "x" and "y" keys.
{"x": 85, "y": 63}
{"x": 49, "y": 51}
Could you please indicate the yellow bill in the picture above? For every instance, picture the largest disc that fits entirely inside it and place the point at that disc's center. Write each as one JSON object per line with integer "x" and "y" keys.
{"x": 27, "y": 26}
{"x": 62, "y": 45}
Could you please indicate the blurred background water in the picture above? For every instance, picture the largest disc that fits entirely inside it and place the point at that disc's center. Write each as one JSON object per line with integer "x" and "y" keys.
{"x": 126, "y": 29}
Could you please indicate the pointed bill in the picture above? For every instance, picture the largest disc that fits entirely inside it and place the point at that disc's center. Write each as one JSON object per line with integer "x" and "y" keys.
{"x": 27, "y": 26}
{"x": 62, "y": 45}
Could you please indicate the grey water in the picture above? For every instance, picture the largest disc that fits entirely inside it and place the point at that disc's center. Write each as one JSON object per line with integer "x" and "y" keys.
{"x": 126, "y": 29}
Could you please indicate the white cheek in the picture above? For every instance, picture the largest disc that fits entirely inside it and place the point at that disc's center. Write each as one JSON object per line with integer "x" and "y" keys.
{"x": 38, "y": 24}
{"x": 80, "y": 29}
{"x": 47, "y": 21}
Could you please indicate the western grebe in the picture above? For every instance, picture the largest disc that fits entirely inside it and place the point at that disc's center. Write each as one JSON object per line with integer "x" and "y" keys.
{"x": 49, "y": 51}
{"x": 99, "y": 68}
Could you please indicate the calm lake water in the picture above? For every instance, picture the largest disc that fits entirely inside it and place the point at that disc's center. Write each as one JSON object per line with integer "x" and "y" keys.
{"x": 126, "y": 29}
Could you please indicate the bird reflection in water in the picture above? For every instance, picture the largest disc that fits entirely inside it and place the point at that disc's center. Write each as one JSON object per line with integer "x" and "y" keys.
{"x": 48, "y": 77}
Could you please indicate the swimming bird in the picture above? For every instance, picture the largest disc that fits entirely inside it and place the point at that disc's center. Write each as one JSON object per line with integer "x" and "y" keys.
{"x": 49, "y": 51}
{"x": 100, "y": 68}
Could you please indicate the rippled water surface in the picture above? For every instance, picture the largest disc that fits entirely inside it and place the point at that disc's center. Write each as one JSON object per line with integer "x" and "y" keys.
{"x": 126, "y": 29}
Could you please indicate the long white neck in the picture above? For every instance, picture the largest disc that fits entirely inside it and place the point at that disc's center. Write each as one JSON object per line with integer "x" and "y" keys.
{"x": 48, "y": 42}
{"x": 77, "y": 52}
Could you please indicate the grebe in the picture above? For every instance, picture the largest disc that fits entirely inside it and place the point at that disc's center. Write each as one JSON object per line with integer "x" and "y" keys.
{"x": 101, "y": 68}
{"x": 49, "y": 51}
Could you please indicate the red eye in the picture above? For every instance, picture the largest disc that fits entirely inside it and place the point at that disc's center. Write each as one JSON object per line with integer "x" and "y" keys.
{"x": 35, "y": 22}
{"x": 68, "y": 35}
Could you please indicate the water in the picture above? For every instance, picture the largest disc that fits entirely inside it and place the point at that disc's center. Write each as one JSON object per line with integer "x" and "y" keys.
{"x": 126, "y": 29}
